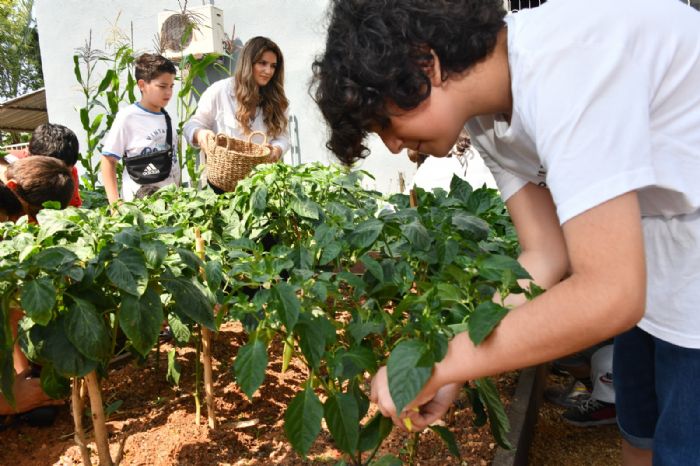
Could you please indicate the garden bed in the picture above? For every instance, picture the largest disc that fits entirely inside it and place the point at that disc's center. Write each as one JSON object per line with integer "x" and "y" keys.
{"x": 157, "y": 421}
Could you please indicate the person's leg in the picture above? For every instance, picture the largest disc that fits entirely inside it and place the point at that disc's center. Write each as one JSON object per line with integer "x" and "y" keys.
{"x": 632, "y": 456}
{"x": 602, "y": 374}
{"x": 635, "y": 395}
{"x": 677, "y": 381}
{"x": 19, "y": 360}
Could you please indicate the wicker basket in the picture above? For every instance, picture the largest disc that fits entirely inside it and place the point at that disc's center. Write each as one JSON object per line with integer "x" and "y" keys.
{"x": 229, "y": 160}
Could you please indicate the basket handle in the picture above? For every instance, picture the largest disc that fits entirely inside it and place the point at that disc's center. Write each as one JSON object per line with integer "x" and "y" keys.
{"x": 250, "y": 136}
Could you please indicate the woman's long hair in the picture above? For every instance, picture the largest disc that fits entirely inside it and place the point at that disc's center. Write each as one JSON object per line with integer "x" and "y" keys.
{"x": 250, "y": 96}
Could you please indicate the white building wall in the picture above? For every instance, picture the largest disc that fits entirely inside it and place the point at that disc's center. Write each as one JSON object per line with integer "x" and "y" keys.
{"x": 297, "y": 26}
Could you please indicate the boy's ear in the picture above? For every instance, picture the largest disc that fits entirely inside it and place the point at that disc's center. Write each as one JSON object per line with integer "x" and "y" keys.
{"x": 430, "y": 64}
{"x": 141, "y": 83}
{"x": 435, "y": 73}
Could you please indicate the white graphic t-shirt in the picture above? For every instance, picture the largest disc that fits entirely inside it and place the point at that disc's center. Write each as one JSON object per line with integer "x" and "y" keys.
{"x": 137, "y": 131}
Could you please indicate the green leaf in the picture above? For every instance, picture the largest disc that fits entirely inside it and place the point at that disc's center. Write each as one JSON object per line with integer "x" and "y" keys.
{"x": 406, "y": 376}
{"x": 484, "y": 319}
{"x": 493, "y": 267}
{"x": 302, "y": 421}
{"x": 449, "y": 439}
{"x": 355, "y": 361}
{"x": 155, "y": 252}
{"x": 388, "y": 460}
{"x": 259, "y": 199}
{"x": 54, "y": 258}
{"x": 341, "y": 413}
{"x": 314, "y": 334}
{"x": 476, "y": 228}
{"x": 359, "y": 330}
{"x": 53, "y": 384}
{"x": 190, "y": 259}
{"x": 374, "y": 432}
{"x": 500, "y": 426}
{"x": 330, "y": 252}
{"x": 87, "y": 331}
{"x": 120, "y": 276}
{"x": 213, "y": 270}
{"x": 305, "y": 208}
{"x": 366, "y": 233}
{"x": 53, "y": 346}
{"x": 181, "y": 333}
{"x": 141, "y": 320}
{"x": 190, "y": 301}
{"x": 174, "y": 369}
{"x": 289, "y": 305}
{"x": 373, "y": 267}
{"x": 250, "y": 366}
{"x": 38, "y": 298}
{"x": 417, "y": 235}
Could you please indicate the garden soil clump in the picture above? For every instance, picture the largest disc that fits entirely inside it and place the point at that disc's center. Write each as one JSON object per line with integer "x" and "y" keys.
{"x": 156, "y": 421}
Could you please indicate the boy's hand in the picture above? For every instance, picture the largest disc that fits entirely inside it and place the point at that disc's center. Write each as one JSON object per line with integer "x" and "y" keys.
{"x": 430, "y": 404}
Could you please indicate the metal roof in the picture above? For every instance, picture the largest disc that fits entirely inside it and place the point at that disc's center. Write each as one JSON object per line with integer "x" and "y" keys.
{"x": 24, "y": 113}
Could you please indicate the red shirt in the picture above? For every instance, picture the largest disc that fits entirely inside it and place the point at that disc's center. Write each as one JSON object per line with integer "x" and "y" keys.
{"x": 75, "y": 201}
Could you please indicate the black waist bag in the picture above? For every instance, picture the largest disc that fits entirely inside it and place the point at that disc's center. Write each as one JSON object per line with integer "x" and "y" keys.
{"x": 154, "y": 166}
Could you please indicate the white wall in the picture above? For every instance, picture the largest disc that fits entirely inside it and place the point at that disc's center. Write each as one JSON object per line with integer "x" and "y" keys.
{"x": 297, "y": 26}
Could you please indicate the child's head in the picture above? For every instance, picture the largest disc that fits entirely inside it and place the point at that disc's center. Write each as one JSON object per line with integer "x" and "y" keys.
{"x": 259, "y": 79}
{"x": 379, "y": 53}
{"x": 38, "y": 179}
{"x": 55, "y": 141}
{"x": 155, "y": 76}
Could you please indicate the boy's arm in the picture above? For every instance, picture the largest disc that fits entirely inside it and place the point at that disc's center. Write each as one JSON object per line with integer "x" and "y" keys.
{"x": 109, "y": 178}
{"x": 603, "y": 296}
{"x": 542, "y": 245}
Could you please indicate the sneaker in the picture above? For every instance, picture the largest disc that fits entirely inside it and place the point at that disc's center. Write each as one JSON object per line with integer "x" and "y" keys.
{"x": 570, "y": 396}
{"x": 591, "y": 412}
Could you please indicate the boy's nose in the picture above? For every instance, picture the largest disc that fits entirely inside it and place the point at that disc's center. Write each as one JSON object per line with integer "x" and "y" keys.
{"x": 394, "y": 144}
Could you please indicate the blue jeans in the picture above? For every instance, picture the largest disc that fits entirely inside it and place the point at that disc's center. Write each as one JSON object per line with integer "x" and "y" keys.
{"x": 657, "y": 390}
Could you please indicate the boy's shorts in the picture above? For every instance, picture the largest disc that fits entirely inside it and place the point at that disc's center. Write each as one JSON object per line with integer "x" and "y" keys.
{"x": 657, "y": 390}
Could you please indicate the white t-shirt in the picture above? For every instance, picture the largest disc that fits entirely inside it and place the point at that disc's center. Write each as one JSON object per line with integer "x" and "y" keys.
{"x": 136, "y": 131}
{"x": 216, "y": 110}
{"x": 606, "y": 100}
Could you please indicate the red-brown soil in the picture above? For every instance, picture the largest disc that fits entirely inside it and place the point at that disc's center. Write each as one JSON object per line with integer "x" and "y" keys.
{"x": 156, "y": 421}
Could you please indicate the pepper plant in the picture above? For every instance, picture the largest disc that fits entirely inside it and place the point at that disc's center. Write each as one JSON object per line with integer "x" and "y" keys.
{"x": 347, "y": 279}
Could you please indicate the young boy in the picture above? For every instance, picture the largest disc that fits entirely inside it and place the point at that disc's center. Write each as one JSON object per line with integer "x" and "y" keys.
{"x": 141, "y": 130}
{"x": 59, "y": 142}
{"x": 29, "y": 182}
{"x": 587, "y": 114}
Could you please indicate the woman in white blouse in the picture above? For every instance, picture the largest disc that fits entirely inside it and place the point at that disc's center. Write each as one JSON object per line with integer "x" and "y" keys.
{"x": 252, "y": 100}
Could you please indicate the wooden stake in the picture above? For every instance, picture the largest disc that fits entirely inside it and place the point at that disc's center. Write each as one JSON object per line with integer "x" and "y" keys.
{"x": 99, "y": 421}
{"x": 413, "y": 198}
{"x": 206, "y": 349}
{"x": 77, "y": 406}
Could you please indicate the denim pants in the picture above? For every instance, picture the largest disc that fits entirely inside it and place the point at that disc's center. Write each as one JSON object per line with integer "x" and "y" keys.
{"x": 657, "y": 390}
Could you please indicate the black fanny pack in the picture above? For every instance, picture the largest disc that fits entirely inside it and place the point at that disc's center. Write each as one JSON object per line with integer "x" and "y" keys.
{"x": 154, "y": 166}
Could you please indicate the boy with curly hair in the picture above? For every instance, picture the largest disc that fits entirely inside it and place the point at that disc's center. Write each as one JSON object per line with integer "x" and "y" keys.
{"x": 589, "y": 124}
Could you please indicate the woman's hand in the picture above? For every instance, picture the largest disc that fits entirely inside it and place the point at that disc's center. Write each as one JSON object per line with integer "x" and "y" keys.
{"x": 429, "y": 406}
{"x": 275, "y": 153}
{"x": 202, "y": 136}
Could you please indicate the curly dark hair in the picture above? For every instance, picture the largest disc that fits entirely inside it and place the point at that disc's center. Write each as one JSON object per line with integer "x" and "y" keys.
{"x": 377, "y": 51}
{"x": 55, "y": 141}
